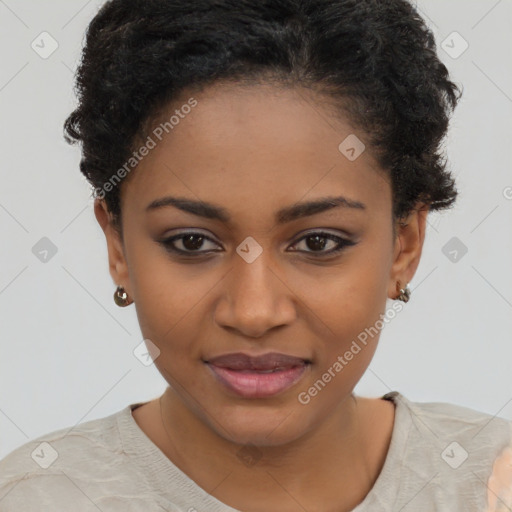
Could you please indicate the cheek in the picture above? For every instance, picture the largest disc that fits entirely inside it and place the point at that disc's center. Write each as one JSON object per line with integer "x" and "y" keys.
{"x": 350, "y": 303}
{"x": 168, "y": 296}
{"x": 352, "y": 310}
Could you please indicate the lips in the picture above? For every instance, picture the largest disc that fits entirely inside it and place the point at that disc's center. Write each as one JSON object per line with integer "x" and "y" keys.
{"x": 265, "y": 362}
{"x": 257, "y": 376}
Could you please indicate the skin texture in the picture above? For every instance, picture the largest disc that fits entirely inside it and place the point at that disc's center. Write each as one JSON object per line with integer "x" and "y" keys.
{"x": 253, "y": 150}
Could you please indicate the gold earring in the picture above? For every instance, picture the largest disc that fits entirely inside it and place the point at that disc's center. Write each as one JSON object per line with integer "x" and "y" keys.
{"x": 121, "y": 297}
{"x": 404, "y": 293}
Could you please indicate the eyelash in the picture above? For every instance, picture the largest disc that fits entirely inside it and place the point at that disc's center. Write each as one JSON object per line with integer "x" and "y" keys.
{"x": 343, "y": 243}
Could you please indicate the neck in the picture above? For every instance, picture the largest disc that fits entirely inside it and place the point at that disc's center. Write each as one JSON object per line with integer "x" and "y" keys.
{"x": 341, "y": 445}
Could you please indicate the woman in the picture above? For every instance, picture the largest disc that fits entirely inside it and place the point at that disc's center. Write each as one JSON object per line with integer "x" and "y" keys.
{"x": 263, "y": 172}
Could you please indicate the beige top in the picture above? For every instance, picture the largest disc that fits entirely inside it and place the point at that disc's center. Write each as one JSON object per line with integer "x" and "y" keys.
{"x": 442, "y": 458}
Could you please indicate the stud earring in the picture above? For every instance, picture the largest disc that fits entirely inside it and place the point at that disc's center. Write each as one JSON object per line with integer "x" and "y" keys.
{"x": 121, "y": 297}
{"x": 404, "y": 293}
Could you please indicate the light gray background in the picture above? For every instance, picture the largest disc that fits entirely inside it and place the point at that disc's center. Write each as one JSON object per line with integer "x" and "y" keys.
{"x": 66, "y": 348}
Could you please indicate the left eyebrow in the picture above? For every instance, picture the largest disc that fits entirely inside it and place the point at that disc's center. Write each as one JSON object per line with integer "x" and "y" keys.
{"x": 284, "y": 215}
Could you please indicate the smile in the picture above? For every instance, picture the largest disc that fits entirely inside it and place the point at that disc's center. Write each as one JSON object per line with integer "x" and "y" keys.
{"x": 257, "y": 377}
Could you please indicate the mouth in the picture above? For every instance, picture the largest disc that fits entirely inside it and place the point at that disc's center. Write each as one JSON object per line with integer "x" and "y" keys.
{"x": 258, "y": 377}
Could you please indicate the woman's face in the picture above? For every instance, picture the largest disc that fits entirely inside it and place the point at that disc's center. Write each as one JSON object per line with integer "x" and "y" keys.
{"x": 254, "y": 275}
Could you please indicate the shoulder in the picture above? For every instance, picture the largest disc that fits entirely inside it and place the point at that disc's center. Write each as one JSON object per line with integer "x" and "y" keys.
{"x": 454, "y": 427}
{"x": 61, "y": 449}
{"x": 68, "y": 469}
{"x": 465, "y": 455}
{"x": 444, "y": 420}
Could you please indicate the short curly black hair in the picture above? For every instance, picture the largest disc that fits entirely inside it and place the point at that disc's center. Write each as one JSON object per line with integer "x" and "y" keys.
{"x": 377, "y": 59}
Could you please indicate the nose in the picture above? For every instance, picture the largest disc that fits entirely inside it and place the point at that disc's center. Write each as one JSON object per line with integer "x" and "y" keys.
{"x": 255, "y": 298}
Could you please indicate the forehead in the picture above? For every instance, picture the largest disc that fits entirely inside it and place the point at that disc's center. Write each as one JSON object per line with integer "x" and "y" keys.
{"x": 253, "y": 148}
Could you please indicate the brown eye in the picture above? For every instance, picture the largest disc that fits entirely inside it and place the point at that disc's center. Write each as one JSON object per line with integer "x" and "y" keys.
{"x": 190, "y": 243}
{"x": 317, "y": 242}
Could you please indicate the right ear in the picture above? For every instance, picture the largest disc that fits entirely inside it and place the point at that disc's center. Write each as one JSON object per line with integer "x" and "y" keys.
{"x": 118, "y": 267}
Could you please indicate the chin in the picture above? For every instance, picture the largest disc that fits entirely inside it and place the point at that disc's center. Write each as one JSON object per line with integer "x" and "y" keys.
{"x": 259, "y": 425}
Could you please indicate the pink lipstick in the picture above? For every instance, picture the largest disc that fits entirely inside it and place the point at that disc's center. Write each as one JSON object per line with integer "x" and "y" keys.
{"x": 258, "y": 376}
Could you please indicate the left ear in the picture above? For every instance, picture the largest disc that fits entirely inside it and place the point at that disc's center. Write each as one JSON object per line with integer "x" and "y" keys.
{"x": 408, "y": 246}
